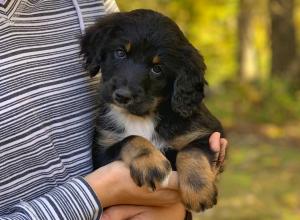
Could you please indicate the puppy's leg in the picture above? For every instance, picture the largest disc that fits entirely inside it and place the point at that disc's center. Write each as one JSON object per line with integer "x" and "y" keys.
{"x": 196, "y": 180}
{"x": 148, "y": 166}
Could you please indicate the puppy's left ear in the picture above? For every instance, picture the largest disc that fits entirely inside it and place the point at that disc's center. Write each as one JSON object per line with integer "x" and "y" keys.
{"x": 94, "y": 41}
{"x": 188, "y": 90}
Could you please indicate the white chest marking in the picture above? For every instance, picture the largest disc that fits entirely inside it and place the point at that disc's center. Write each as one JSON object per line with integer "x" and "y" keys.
{"x": 136, "y": 125}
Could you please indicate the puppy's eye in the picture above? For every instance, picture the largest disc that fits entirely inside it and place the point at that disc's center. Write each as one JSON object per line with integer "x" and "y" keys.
{"x": 120, "y": 53}
{"x": 156, "y": 70}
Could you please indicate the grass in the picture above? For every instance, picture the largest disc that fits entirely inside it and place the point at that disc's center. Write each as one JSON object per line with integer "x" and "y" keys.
{"x": 261, "y": 181}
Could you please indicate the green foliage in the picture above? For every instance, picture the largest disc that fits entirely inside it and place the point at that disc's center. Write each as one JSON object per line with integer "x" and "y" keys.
{"x": 261, "y": 178}
{"x": 270, "y": 101}
{"x": 209, "y": 24}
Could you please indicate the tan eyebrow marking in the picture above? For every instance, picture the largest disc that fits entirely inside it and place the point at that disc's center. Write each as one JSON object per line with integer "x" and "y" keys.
{"x": 128, "y": 47}
{"x": 156, "y": 59}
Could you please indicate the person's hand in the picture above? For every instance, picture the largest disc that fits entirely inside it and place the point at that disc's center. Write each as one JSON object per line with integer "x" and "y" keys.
{"x": 113, "y": 185}
{"x": 218, "y": 145}
{"x": 156, "y": 207}
{"x": 131, "y": 212}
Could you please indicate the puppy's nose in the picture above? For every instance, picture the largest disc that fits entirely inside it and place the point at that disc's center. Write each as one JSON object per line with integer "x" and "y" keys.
{"x": 122, "y": 96}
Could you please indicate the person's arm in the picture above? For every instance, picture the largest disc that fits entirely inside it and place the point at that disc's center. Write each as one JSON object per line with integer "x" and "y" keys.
{"x": 79, "y": 198}
{"x": 112, "y": 185}
{"x": 73, "y": 200}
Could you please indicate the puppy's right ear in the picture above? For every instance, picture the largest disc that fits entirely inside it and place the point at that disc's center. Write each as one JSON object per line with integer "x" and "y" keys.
{"x": 93, "y": 43}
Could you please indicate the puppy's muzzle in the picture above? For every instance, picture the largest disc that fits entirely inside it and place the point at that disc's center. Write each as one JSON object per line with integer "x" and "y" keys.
{"x": 122, "y": 96}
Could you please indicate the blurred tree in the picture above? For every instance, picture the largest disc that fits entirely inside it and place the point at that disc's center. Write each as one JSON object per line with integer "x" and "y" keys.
{"x": 246, "y": 52}
{"x": 283, "y": 37}
{"x": 209, "y": 24}
{"x": 233, "y": 35}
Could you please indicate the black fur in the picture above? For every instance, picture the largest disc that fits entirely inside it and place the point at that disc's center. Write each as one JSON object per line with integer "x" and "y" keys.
{"x": 150, "y": 33}
{"x": 130, "y": 81}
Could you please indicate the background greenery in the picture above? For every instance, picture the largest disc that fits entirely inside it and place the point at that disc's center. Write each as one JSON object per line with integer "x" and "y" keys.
{"x": 260, "y": 111}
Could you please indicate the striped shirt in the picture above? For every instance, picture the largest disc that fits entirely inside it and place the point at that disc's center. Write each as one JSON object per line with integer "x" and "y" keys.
{"x": 47, "y": 109}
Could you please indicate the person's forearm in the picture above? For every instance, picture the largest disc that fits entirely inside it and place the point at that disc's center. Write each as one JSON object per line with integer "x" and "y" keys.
{"x": 73, "y": 200}
{"x": 104, "y": 189}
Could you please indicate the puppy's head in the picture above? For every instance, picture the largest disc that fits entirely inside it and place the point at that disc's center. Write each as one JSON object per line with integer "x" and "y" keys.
{"x": 144, "y": 59}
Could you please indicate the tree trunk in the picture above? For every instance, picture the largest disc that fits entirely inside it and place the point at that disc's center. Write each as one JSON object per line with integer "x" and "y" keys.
{"x": 246, "y": 53}
{"x": 283, "y": 37}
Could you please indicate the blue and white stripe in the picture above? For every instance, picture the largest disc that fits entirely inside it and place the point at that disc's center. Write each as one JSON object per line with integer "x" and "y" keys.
{"x": 47, "y": 109}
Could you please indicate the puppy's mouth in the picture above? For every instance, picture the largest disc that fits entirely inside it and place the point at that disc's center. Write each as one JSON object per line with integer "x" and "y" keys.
{"x": 135, "y": 106}
{"x": 139, "y": 109}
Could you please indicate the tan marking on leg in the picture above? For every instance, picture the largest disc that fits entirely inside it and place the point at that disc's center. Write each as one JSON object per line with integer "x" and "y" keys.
{"x": 156, "y": 59}
{"x": 183, "y": 140}
{"x": 196, "y": 180}
{"x": 128, "y": 47}
{"x": 108, "y": 138}
{"x": 148, "y": 166}
{"x": 136, "y": 147}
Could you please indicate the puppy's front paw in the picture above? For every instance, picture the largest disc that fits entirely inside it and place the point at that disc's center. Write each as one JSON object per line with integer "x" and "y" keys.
{"x": 151, "y": 169}
{"x": 198, "y": 194}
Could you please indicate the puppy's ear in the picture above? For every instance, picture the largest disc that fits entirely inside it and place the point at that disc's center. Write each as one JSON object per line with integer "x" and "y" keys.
{"x": 94, "y": 41}
{"x": 188, "y": 90}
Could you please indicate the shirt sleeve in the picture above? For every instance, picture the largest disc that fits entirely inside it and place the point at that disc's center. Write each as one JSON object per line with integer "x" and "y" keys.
{"x": 73, "y": 200}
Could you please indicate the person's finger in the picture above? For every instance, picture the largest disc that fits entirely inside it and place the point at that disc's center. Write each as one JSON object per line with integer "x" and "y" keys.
{"x": 224, "y": 144}
{"x": 220, "y": 163}
{"x": 215, "y": 145}
{"x": 121, "y": 212}
{"x": 175, "y": 211}
{"x": 214, "y": 141}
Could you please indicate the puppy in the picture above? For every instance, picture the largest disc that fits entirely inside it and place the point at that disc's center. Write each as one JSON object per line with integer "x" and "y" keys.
{"x": 151, "y": 113}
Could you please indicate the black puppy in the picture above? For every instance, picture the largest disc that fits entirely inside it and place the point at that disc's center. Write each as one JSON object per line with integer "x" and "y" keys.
{"x": 151, "y": 104}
